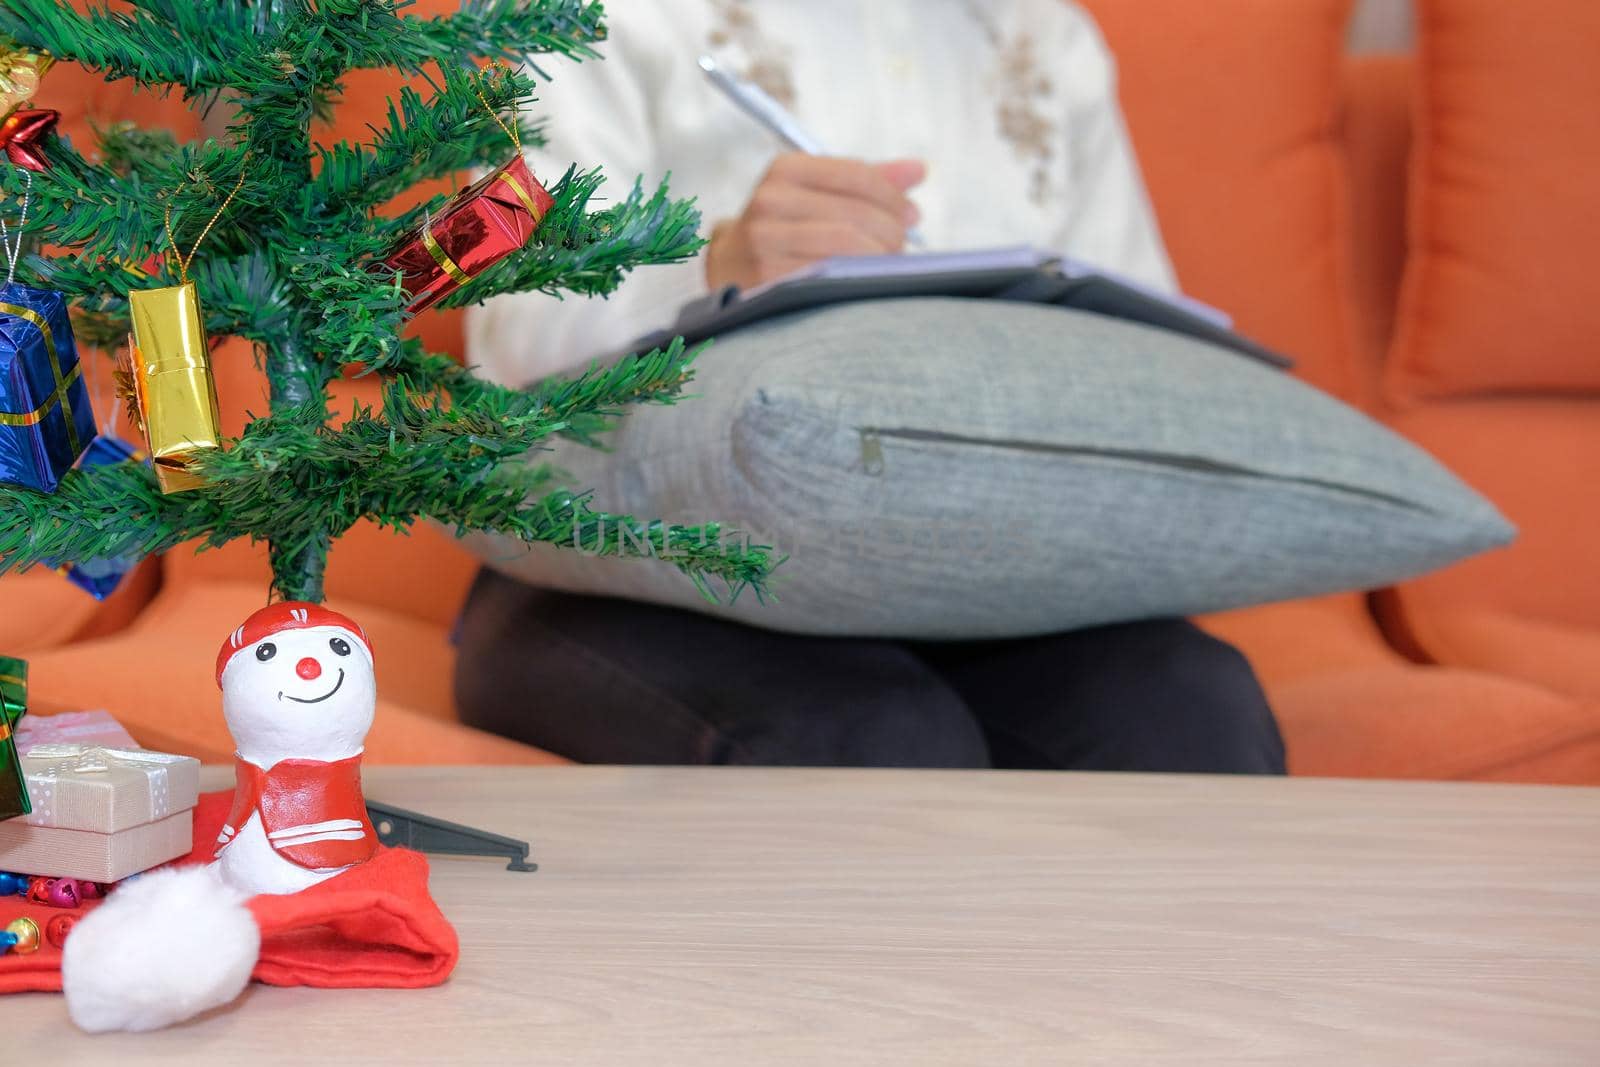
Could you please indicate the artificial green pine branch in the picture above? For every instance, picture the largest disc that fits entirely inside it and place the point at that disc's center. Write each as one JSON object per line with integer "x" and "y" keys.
{"x": 353, "y": 315}
{"x": 294, "y": 265}
{"x": 292, "y": 479}
{"x": 508, "y": 30}
{"x": 128, "y": 148}
{"x": 571, "y": 404}
{"x": 119, "y": 510}
{"x": 155, "y": 47}
{"x": 102, "y": 214}
{"x": 245, "y": 297}
{"x": 211, "y": 45}
{"x": 428, "y": 138}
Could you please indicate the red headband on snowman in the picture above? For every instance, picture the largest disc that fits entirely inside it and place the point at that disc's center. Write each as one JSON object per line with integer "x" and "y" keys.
{"x": 276, "y": 618}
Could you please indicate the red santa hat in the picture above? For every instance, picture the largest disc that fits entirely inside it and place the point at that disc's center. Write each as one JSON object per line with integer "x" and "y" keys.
{"x": 287, "y": 615}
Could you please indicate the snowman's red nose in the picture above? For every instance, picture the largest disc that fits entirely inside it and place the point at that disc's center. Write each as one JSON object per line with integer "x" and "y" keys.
{"x": 308, "y": 669}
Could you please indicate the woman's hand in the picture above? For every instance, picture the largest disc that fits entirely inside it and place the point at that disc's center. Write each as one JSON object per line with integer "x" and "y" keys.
{"x": 808, "y": 208}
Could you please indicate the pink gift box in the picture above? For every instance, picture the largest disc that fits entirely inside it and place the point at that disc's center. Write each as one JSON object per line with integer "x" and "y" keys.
{"x": 72, "y": 728}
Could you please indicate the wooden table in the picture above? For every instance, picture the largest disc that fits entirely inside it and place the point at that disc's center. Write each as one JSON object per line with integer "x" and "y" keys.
{"x": 749, "y": 917}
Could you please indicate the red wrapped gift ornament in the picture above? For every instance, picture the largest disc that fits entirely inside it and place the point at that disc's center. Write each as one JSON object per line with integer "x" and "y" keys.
{"x": 484, "y": 224}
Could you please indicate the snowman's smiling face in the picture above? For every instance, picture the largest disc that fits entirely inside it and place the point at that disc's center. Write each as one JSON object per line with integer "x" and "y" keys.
{"x": 299, "y": 694}
{"x": 309, "y": 668}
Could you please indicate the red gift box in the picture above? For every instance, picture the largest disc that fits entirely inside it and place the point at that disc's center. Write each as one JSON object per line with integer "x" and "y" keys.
{"x": 374, "y": 926}
{"x": 483, "y": 225}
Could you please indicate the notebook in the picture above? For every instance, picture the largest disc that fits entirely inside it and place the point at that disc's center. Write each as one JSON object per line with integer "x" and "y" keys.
{"x": 1018, "y": 273}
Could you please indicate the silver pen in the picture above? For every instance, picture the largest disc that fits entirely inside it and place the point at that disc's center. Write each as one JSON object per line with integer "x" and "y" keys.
{"x": 759, "y": 105}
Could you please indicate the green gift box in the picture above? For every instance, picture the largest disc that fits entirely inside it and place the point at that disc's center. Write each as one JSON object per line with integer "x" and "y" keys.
{"x": 13, "y": 703}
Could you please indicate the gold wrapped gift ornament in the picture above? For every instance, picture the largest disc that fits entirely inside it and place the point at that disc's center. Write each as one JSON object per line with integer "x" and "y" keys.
{"x": 21, "y": 71}
{"x": 175, "y": 397}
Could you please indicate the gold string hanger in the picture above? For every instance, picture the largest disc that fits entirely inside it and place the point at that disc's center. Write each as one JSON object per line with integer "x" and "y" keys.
{"x": 510, "y": 130}
{"x": 183, "y": 261}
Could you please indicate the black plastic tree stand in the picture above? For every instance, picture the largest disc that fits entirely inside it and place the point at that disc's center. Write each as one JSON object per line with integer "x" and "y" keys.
{"x": 424, "y": 833}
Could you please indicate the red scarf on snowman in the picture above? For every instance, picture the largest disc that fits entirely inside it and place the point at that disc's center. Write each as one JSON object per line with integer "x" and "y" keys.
{"x": 312, "y": 812}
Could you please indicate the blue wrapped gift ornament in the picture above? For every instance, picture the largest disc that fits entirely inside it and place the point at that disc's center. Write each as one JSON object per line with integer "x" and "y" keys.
{"x": 100, "y": 577}
{"x": 45, "y": 418}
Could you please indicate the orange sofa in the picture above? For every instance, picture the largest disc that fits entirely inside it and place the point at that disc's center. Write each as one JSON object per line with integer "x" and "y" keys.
{"x": 1278, "y": 166}
{"x": 1318, "y": 223}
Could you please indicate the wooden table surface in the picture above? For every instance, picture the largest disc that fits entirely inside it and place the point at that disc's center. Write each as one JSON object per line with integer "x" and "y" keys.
{"x": 749, "y": 917}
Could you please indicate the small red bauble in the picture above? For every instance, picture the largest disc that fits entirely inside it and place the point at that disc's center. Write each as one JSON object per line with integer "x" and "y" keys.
{"x": 56, "y": 930}
{"x": 21, "y": 135}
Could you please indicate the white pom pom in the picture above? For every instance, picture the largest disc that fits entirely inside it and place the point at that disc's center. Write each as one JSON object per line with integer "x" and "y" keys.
{"x": 160, "y": 950}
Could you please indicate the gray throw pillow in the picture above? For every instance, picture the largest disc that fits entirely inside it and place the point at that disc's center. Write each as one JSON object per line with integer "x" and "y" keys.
{"x": 942, "y": 468}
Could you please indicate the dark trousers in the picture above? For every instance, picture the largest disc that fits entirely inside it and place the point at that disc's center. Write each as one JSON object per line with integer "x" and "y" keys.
{"x": 614, "y": 681}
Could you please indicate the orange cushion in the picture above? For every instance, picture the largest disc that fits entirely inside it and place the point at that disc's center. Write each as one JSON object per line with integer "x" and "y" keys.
{"x": 1302, "y": 639}
{"x": 1233, "y": 107}
{"x": 1410, "y": 721}
{"x": 1531, "y": 610}
{"x": 1377, "y": 145}
{"x": 1505, "y": 235}
{"x": 42, "y": 610}
{"x": 1563, "y": 657}
{"x": 1539, "y": 461}
{"x": 87, "y": 101}
{"x": 1350, "y": 706}
{"x": 422, "y": 574}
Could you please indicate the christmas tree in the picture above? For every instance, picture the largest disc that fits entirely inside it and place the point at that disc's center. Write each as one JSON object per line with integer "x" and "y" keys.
{"x": 289, "y": 245}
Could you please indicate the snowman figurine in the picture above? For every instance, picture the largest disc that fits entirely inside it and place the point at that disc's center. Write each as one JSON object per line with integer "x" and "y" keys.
{"x": 298, "y": 694}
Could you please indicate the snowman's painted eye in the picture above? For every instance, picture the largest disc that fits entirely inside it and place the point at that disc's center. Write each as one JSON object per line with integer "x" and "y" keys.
{"x": 266, "y": 650}
{"x": 339, "y": 645}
